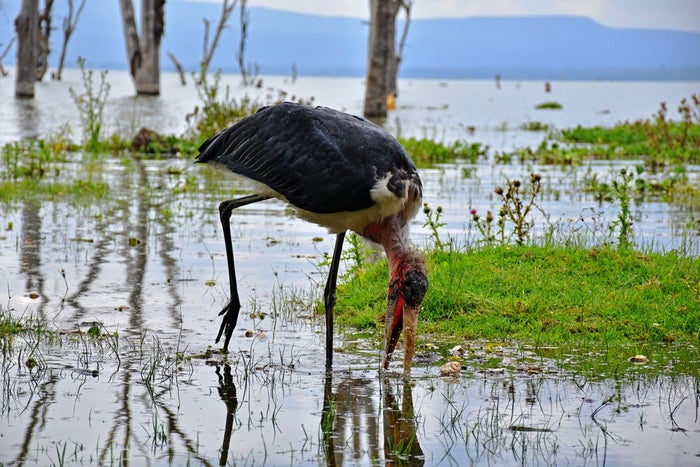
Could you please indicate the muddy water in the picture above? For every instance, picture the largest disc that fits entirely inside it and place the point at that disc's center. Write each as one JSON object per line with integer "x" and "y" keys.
{"x": 145, "y": 267}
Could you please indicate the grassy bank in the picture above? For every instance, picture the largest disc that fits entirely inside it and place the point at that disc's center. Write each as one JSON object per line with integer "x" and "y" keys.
{"x": 545, "y": 295}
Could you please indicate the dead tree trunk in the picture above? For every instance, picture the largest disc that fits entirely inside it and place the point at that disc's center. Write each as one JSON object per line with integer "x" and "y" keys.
{"x": 27, "y": 27}
{"x": 384, "y": 59}
{"x": 382, "y": 32}
{"x": 394, "y": 71}
{"x": 42, "y": 58}
{"x": 143, "y": 52}
{"x": 70, "y": 22}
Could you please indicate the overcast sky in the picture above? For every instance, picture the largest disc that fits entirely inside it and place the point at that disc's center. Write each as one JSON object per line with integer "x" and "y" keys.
{"x": 661, "y": 14}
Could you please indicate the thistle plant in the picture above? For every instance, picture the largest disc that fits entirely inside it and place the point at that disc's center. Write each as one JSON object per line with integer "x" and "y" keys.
{"x": 622, "y": 189}
{"x": 433, "y": 223}
{"x": 517, "y": 203}
{"x": 91, "y": 103}
{"x": 484, "y": 226}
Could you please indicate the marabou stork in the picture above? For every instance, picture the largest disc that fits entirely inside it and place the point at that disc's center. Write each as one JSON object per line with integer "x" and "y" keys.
{"x": 343, "y": 173}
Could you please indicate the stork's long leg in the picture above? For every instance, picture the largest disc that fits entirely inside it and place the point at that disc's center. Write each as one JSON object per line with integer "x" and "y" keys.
{"x": 230, "y": 311}
{"x": 329, "y": 297}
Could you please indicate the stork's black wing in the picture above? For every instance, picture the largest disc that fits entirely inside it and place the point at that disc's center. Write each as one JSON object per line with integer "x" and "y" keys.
{"x": 319, "y": 159}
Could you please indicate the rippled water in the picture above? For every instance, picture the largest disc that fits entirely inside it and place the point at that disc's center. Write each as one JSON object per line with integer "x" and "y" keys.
{"x": 148, "y": 263}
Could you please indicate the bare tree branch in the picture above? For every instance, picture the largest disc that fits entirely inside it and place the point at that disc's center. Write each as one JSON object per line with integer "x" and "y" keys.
{"x": 42, "y": 56}
{"x": 250, "y": 73}
{"x": 178, "y": 66}
{"x": 406, "y": 5}
{"x": 226, "y": 10}
{"x": 241, "y": 43}
{"x": 70, "y": 23}
{"x": 3, "y": 71}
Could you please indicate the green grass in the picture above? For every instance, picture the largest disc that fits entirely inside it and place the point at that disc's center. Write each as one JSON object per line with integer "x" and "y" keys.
{"x": 549, "y": 105}
{"x": 544, "y": 295}
{"x": 75, "y": 191}
{"x": 10, "y": 325}
{"x": 660, "y": 140}
{"x": 662, "y": 143}
{"x": 426, "y": 152}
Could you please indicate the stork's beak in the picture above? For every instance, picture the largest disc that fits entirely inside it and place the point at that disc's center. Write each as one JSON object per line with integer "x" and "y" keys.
{"x": 400, "y": 316}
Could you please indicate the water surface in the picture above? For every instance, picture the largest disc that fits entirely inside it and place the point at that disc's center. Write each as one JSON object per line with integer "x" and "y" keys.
{"x": 148, "y": 263}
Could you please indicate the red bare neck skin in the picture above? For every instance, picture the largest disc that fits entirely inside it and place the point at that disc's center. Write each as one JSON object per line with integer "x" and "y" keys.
{"x": 407, "y": 286}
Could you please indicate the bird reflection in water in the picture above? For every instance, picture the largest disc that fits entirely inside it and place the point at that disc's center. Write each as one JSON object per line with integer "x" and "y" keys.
{"x": 400, "y": 441}
{"x": 351, "y": 427}
{"x": 227, "y": 392}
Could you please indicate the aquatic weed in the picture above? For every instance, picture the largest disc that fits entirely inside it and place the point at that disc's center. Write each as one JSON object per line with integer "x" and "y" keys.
{"x": 91, "y": 103}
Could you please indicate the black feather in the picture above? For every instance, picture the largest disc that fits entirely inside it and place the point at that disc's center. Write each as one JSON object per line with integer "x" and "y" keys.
{"x": 319, "y": 159}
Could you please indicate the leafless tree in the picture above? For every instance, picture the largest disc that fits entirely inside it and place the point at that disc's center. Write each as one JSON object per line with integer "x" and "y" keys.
{"x": 143, "y": 52}
{"x": 384, "y": 59}
{"x": 209, "y": 48}
{"x": 42, "y": 58}
{"x": 381, "y": 54}
{"x": 27, "y": 27}
{"x": 70, "y": 22}
{"x": 406, "y": 5}
{"x": 248, "y": 74}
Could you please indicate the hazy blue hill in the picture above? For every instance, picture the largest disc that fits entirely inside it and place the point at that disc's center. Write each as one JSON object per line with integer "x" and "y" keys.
{"x": 549, "y": 47}
{"x": 560, "y": 45}
{"x": 276, "y": 41}
{"x": 547, "y": 42}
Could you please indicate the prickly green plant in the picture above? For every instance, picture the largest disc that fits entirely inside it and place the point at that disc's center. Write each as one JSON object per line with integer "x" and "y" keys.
{"x": 218, "y": 110}
{"x": 91, "y": 103}
{"x": 357, "y": 253}
{"x": 622, "y": 190}
{"x": 432, "y": 222}
{"x": 484, "y": 226}
{"x": 517, "y": 204}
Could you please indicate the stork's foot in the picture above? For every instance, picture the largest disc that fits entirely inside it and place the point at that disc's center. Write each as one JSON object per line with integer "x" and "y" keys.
{"x": 228, "y": 323}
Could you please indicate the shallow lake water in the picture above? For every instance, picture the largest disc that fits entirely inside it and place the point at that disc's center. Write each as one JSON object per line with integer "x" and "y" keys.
{"x": 148, "y": 263}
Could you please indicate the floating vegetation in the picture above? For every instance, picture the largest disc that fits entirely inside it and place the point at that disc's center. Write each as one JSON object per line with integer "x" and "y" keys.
{"x": 549, "y": 105}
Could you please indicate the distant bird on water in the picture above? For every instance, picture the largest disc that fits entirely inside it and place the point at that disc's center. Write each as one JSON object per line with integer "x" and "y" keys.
{"x": 341, "y": 172}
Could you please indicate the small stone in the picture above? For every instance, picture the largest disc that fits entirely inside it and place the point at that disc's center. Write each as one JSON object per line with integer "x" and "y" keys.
{"x": 457, "y": 351}
{"x": 450, "y": 369}
{"x": 638, "y": 359}
{"x": 249, "y": 333}
{"x": 34, "y": 295}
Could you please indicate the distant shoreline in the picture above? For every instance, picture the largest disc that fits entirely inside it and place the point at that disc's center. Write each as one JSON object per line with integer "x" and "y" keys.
{"x": 690, "y": 73}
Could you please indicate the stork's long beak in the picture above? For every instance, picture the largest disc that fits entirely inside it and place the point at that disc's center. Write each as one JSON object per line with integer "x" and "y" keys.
{"x": 400, "y": 317}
